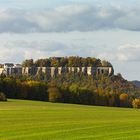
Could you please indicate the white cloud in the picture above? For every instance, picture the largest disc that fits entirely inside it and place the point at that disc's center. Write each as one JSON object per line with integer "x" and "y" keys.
{"x": 129, "y": 52}
{"x": 107, "y": 55}
{"x": 104, "y": 45}
{"x": 10, "y": 55}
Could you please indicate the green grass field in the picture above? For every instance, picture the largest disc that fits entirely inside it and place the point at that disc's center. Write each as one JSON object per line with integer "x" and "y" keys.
{"x": 33, "y": 120}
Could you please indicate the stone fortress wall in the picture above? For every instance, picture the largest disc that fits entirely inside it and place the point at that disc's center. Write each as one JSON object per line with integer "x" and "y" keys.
{"x": 11, "y": 69}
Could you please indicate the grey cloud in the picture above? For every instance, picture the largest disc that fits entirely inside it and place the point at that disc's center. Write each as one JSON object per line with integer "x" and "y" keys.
{"x": 15, "y": 21}
{"x": 70, "y": 18}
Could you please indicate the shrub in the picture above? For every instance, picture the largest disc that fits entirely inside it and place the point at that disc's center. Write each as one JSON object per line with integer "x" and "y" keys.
{"x": 136, "y": 103}
{"x": 2, "y": 97}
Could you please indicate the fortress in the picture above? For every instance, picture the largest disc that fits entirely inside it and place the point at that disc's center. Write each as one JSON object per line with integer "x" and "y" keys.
{"x": 11, "y": 69}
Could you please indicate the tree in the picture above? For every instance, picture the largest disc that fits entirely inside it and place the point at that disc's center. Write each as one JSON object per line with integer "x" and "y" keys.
{"x": 42, "y": 63}
{"x": 63, "y": 62}
{"x": 55, "y": 62}
{"x": 124, "y": 101}
{"x": 9, "y": 87}
{"x": 2, "y": 97}
{"x": 136, "y": 103}
{"x": 105, "y": 63}
{"x": 54, "y": 94}
{"x": 28, "y": 63}
{"x": 36, "y": 90}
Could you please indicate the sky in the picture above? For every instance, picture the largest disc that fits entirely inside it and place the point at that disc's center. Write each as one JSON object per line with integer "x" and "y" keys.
{"x": 106, "y": 29}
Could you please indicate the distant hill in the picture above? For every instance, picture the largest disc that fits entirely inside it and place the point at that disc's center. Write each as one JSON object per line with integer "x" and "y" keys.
{"x": 136, "y": 83}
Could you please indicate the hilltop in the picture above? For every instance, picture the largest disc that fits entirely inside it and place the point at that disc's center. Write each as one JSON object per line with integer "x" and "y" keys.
{"x": 52, "y": 67}
{"x": 80, "y": 80}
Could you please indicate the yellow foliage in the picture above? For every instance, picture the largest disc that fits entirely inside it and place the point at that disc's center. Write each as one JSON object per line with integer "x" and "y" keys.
{"x": 136, "y": 103}
{"x": 124, "y": 97}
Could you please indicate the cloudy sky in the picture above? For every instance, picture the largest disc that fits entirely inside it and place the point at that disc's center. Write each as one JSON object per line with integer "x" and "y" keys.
{"x": 107, "y": 29}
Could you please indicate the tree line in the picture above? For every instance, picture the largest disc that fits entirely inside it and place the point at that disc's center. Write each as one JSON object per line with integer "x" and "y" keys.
{"x": 74, "y": 88}
{"x": 72, "y": 61}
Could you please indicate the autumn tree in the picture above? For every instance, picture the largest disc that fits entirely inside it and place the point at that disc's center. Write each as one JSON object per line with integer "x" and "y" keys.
{"x": 124, "y": 100}
{"x": 136, "y": 103}
{"x": 54, "y": 94}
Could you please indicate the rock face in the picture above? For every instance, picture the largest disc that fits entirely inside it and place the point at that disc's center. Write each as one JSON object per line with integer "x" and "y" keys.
{"x": 54, "y": 71}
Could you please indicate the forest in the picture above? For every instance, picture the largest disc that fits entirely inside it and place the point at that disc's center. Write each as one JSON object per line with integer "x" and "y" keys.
{"x": 73, "y": 88}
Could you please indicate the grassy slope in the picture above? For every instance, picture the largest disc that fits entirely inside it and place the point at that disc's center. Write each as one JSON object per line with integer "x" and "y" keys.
{"x": 32, "y": 120}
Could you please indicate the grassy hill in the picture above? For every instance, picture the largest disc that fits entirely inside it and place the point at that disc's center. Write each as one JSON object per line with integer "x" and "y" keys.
{"x": 33, "y": 120}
